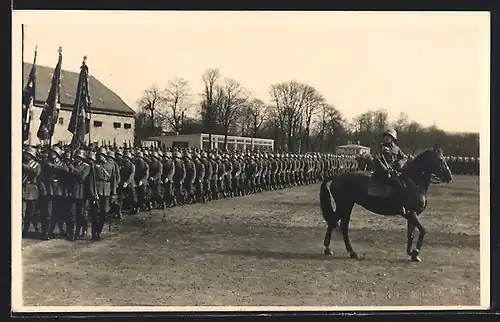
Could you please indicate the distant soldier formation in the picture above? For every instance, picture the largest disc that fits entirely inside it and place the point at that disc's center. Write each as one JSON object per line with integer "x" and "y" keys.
{"x": 67, "y": 190}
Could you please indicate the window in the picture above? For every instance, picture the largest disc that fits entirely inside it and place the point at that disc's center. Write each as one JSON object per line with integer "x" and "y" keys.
{"x": 127, "y": 125}
{"x": 97, "y": 123}
{"x": 117, "y": 125}
{"x": 61, "y": 120}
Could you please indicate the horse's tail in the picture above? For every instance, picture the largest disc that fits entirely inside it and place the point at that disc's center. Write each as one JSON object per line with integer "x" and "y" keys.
{"x": 325, "y": 201}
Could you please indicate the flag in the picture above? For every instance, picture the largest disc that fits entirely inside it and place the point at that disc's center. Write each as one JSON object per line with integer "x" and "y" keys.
{"x": 79, "y": 123}
{"x": 29, "y": 94}
{"x": 50, "y": 112}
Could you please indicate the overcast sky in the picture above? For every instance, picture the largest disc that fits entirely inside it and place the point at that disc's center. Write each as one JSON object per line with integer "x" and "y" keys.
{"x": 434, "y": 67}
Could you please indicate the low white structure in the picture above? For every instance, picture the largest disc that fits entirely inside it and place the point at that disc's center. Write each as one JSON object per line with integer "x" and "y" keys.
{"x": 200, "y": 141}
{"x": 353, "y": 149}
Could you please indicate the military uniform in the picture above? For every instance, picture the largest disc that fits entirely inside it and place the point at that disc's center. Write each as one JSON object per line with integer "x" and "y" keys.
{"x": 104, "y": 191}
{"x": 78, "y": 193}
{"x": 31, "y": 173}
{"x": 167, "y": 178}
{"x": 53, "y": 193}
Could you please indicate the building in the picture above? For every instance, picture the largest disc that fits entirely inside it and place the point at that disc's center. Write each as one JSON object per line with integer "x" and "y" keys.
{"x": 112, "y": 120}
{"x": 353, "y": 149}
{"x": 200, "y": 141}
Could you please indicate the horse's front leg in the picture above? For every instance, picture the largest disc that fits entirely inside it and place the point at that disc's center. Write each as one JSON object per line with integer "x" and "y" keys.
{"x": 409, "y": 235}
{"x": 412, "y": 217}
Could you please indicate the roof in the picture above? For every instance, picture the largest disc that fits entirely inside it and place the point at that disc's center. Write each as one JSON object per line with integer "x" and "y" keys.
{"x": 353, "y": 146}
{"x": 103, "y": 99}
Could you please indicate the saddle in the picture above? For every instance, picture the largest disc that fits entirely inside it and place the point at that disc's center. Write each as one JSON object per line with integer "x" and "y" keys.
{"x": 378, "y": 188}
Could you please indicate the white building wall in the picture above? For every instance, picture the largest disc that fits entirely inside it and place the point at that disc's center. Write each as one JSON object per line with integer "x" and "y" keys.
{"x": 107, "y": 132}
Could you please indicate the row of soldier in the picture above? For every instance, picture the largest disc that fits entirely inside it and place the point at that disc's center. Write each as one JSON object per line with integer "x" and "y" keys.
{"x": 64, "y": 189}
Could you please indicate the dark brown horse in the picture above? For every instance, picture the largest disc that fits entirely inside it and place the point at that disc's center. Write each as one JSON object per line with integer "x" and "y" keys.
{"x": 361, "y": 187}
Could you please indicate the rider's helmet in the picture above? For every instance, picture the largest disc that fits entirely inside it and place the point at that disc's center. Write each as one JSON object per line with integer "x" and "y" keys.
{"x": 392, "y": 133}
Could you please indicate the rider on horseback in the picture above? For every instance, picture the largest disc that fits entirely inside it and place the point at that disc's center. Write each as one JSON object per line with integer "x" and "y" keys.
{"x": 389, "y": 161}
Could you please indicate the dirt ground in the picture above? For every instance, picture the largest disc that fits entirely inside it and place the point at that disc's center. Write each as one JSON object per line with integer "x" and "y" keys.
{"x": 265, "y": 249}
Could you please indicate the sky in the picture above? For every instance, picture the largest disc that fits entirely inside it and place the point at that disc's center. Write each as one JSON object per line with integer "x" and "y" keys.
{"x": 432, "y": 66}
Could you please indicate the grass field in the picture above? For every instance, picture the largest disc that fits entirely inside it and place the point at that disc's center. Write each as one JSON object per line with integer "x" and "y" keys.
{"x": 265, "y": 249}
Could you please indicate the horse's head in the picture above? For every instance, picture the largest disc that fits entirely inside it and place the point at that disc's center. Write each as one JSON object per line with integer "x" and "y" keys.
{"x": 433, "y": 162}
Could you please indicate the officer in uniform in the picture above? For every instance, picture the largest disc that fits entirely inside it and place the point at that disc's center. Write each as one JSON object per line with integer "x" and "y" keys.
{"x": 104, "y": 192}
{"x": 389, "y": 161}
{"x": 78, "y": 193}
{"x": 31, "y": 173}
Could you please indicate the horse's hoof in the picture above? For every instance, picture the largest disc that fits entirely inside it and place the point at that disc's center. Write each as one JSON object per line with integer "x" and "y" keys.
{"x": 354, "y": 255}
{"x": 414, "y": 256}
{"x": 328, "y": 252}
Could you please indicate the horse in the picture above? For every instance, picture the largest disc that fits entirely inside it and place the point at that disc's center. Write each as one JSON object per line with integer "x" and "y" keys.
{"x": 363, "y": 188}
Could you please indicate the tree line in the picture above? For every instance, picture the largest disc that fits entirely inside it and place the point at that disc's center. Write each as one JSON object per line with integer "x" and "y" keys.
{"x": 297, "y": 117}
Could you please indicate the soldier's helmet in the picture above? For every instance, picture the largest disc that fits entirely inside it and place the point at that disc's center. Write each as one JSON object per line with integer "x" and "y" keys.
{"x": 119, "y": 153}
{"x": 196, "y": 155}
{"x": 204, "y": 154}
{"x": 102, "y": 151}
{"x": 111, "y": 155}
{"x": 128, "y": 155}
{"x": 57, "y": 150}
{"x": 187, "y": 156}
{"x": 160, "y": 153}
{"x": 392, "y": 133}
{"x": 80, "y": 154}
{"x": 29, "y": 150}
{"x": 154, "y": 154}
{"x": 177, "y": 154}
{"x": 139, "y": 154}
{"x": 92, "y": 156}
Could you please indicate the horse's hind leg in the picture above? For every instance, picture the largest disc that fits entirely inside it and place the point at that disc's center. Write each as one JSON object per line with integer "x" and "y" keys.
{"x": 328, "y": 236}
{"x": 346, "y": 211}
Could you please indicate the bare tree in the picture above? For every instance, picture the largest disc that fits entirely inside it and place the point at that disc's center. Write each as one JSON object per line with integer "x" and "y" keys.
{"x": 257, "y": 112}
{"x": 151, "y": 103}
{"x": 176, "y": 98}
{"x": 232, "y": 99}
{"x": 210, "y": 79}
{"x": 294, "y": 104}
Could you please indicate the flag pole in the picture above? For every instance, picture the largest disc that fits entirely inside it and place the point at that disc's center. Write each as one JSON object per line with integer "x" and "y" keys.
{"x": 78, "y": 103}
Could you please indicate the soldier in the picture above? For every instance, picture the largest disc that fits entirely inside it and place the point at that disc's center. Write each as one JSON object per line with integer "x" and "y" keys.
{"x": 252, "y": 169}
{"x": 141, "y": 181}
{"x": 214, "y": 181}
{"x": 155, "y": 179}
{"x": 390, "y": 160}
{"x": 200, "y": 177}
{"x": 243, "y": 177}
{"x": 115, "y": 208}
{"x": 190, "y": 178}
{"x": 167, "y": 179}
{"x": 31, "y": 173}
{"x": 53, "y": 200}
{"x": 207, "y": 178}
{"x": 179, "y": 177}
{"x": 127, "y": 190}
{"x": 78, "y": 193}
{"x": 221, "y": 171}
{"x": 104, "y": 191}
{"x": 235, "y": 176}
{"x": 228, "y": 170}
